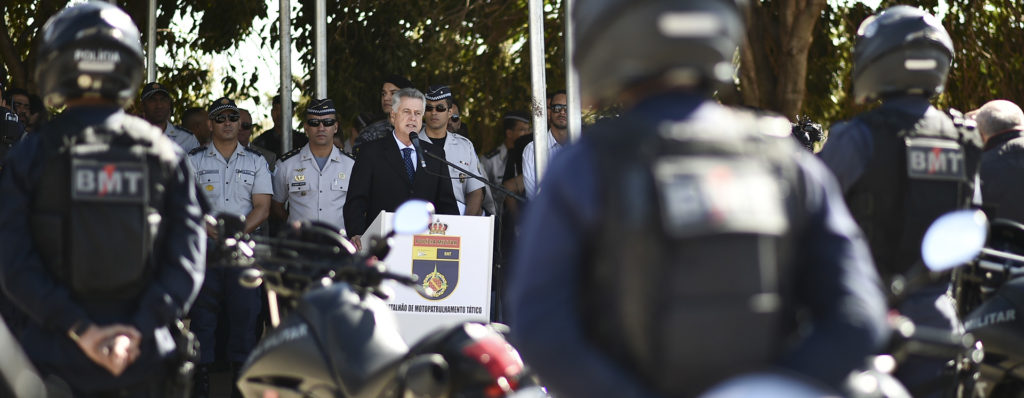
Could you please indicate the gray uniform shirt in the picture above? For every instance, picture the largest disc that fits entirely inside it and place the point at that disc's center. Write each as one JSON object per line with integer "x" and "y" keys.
{"x": 229, "y": 185}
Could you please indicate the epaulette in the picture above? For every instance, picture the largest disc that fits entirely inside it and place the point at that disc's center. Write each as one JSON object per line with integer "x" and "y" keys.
{"x": 253, "y": 150}
{"x": 493, "y": 153}
{"x": 343, "y": 153}
{"x": 197, "y": 150}
{"x": 290, "y": 154}
{"x": 183, "y": 129}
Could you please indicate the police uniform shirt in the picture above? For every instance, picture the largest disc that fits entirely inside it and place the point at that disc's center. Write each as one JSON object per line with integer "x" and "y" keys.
{"x": 229, "y": 185}
{"x": 493, "y": 164}
{"x": 183, "y": 138}
{"x": 530, "y": 164}
{"x": 459, "y": 150}
{"x": 312, "y": 193}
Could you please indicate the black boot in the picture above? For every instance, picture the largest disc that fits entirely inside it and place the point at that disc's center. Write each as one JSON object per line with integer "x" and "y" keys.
{"x": 201, "y": 382}
{"x": 236, "y": 373}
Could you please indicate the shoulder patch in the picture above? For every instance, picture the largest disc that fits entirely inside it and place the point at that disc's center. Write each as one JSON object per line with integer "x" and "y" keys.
{"x": 346, "y": 154}
{"x": 289, "y": 154}
{"x": 197, "y": 149}
{"x": 493, "y": 153}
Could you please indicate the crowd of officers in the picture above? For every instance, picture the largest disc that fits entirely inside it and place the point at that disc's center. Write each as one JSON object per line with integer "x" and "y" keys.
{"x": 654, "y": 248}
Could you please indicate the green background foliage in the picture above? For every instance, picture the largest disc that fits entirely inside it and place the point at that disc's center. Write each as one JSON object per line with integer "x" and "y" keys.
{"x": 480, "y": 49}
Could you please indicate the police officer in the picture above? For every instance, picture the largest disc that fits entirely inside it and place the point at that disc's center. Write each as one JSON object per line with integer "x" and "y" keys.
{"x": 469, "y": 192}
{"x": 904, "y": 163}
{"x": 1001, "y": 124}
{"x": 100, "y": 222}
{"x": 12, "y": 128}
{"x": 313, "y": 180}
{"x": 515, "y": 124}
{"x": 644, "y": 268}
{"x": 382, "y": 127}
{"x": 235, "y": 180}
{"x": 156, "y": 108}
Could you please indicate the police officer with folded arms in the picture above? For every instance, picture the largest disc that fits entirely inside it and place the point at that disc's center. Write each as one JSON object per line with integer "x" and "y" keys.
{"x": 102, "y": 233}
{"x": 644, "y": 268}
{"x": 235, "y": 180}
{"x": 905, "y": 163}
{"x": 313, "y": 179}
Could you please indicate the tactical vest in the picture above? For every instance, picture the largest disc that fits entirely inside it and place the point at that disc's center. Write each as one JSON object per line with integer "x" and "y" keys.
{"x": 97, "y": 209}
{"x": 915, "y": 175}
{"x": 690, "y": 280}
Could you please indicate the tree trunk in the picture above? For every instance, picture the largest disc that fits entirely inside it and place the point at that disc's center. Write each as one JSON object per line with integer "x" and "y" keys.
{"x": 773, "y": 61}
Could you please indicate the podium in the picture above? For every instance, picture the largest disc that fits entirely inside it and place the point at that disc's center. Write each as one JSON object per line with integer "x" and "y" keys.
{"x": 453, "y": 262}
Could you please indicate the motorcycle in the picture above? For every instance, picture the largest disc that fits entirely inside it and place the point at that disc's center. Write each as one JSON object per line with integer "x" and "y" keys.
{"x": 989, "y": 290}
{"x": 338, "y": 337}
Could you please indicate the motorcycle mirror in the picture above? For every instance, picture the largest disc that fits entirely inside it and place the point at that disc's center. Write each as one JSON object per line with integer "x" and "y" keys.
{"x": 954, "y": 239}
{"x": 413, "y": 216}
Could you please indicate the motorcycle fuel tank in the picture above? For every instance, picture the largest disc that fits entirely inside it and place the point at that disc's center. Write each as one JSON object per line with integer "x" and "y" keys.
{"x": 996, "y": 321}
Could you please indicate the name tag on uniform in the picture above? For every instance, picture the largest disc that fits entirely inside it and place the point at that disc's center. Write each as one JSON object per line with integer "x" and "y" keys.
{"x": 120, "y": 182}
{"x": 204, "y": 172}
{"x": 935, "y": 159}
{"x": 246, "y": 172}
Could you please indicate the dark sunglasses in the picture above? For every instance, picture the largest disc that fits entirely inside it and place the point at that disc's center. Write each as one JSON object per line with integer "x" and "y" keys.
{"x": 559, "y": 108}
{"x": 246, "y": 126}
{"x": 316, "y": 122}
{"x": 222, "y": 118}
{"x": 439, "y": 108}
{"x": 455, "y": 117}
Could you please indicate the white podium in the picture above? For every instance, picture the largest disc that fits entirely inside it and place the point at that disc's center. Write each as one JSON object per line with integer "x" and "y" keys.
{"x": 452, "y": 261}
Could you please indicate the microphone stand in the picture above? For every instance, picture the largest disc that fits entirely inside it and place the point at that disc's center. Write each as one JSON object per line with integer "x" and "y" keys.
{"x": 481, "y": 179}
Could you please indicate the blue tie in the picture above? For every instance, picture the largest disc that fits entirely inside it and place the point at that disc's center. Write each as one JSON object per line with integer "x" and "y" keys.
{"x": 407, "y": 156}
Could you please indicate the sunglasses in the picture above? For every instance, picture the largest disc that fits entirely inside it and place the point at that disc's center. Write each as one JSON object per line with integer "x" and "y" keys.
{"x": 439, "y": 108}
{"x": 455, "y": 118}
{"x": 222, "y": 118}
{"x": 246, "y": 126}
{"x": 317, "y": 122}
{"x": 559, "y": 108}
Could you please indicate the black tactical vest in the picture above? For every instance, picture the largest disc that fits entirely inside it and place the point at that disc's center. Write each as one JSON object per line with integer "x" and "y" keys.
{"x": 689, "y": 282}
{"x": 97, "y": 209}
{"x": 915, "y": 175}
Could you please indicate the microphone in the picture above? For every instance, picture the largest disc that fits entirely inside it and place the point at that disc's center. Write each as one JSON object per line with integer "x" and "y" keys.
{"x": 415, "y": 138}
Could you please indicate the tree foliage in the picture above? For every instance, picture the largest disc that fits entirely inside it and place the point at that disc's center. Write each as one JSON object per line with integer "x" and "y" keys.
{"x": 218, "y": 26}
{"x": 798, "y": 61}
{"x": 478, "y": 48}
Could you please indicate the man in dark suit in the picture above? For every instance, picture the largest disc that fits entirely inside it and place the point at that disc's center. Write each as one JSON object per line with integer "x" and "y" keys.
{"x": 387, "y": 171}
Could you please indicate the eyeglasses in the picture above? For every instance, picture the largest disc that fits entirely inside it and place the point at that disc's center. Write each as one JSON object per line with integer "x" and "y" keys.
{"x": 222, "y": 118}
{"x": 439, "y": 108}
{"x": 455, "y": 118}
{"x": 559, "y": 108}
{"x": 246, "y": 126}
{"x": 317, "y": 122}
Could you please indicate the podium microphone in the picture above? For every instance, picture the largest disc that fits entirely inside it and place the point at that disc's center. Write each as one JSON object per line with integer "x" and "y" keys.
{"x": 415, "y": 138}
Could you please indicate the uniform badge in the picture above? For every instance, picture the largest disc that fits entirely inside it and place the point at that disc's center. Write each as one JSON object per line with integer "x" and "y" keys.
{"x": 436, "y": 258}
{"x": 300, "y": 170}
{"x": 462, "y": 178}
{"x": 341, "y": 176}
{"x": 209, "y": 187}
{"x": 300, "y": 177}
{"x": 303, "y": 193}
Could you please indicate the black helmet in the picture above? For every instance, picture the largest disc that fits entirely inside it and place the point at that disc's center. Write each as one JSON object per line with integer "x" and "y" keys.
{"x": 89, "y": 50}
{"x": 686, "y": 42}
{"x": 902, "y": 50}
